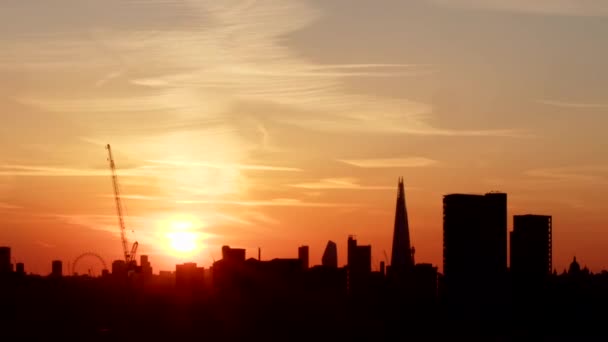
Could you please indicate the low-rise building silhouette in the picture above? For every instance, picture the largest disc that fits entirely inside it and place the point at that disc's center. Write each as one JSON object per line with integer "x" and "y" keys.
{"x": 20, "y": 269}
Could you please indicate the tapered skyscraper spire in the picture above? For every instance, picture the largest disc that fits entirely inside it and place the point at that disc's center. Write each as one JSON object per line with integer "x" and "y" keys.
{"x": 401, "y": 258}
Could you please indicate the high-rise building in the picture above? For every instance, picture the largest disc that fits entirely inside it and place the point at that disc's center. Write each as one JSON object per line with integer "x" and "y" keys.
{"x": 146, "y": 267}
{"x": 330, "y": 255}
{"x": 5, "y": 260}
{"x": 531, "y": 246}
{"x": 401, "y": 256}
{"x": 303, "y": 253}
{"x": 474, "y": 245}
{"x": 119, "y": 268}
{"x": 56, "y": 268}
{"x": 359, "y": 257}
{"x": 359, "y": 265}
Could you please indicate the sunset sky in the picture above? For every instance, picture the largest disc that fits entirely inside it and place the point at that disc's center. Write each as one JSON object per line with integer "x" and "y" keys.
{"x": 275, "y": 124}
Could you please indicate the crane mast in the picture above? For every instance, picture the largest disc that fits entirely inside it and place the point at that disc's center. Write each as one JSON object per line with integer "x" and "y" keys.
{"x": 128, "y": 255}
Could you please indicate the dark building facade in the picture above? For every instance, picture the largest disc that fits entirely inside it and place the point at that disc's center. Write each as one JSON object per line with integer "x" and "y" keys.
{"x": 146, "y": 267}
{"x": 531, "y": 246}
{"x": 359, "y": 265}
{"x": 56, "y": 268}
{"x": 5, "y": 260}
{"x": 232, "y": 255}
{"x": 189, "y": 276}
{"x": 119, "y": 268}
{"x": 475, "y": 247}
{"x": 20, "y": 268}
{"x": 401, "y": 255}
{"x": 303, "y": 255}
{"x": 330, "y": 255}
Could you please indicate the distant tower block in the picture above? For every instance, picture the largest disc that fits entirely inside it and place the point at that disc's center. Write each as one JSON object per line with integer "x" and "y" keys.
{"x": 303, "y": 253}
{"x": 146, "y": 267}
{"x": 5, "y": 260}
{"x": 531, "y": 246}
{"x": 56, "y": 268}
{"x": 330, "y": 256}
{"x": 402, "y": 254}
{"x": 20, "y": 268}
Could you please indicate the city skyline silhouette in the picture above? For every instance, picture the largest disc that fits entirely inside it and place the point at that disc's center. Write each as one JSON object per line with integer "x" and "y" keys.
{"x": 241, "y": 296}
{"x": 277, "y": 140}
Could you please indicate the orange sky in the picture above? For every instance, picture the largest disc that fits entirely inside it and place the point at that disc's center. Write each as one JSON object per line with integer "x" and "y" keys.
{"x": 259, "y": 124}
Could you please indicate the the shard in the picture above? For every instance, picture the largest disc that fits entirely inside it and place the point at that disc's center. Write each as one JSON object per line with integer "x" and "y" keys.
{"x": 401, "y": 257}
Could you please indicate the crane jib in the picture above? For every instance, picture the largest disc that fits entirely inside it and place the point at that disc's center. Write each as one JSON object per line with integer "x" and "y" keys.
{"x": 128, "y": 255}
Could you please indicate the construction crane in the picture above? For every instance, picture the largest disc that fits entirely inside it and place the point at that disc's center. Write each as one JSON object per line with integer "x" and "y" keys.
{"x": 129, "y": 255}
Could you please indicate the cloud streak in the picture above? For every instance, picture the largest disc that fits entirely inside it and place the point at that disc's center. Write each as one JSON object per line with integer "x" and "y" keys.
{"x": 338, "y": 184}
{"x": 274, "y": 202}
{"x": 390, "y": 162}
{"x": 232, "y": 52}
{"x": 250, "y": 167}
{"x": 277, "y": 202}
{"x": 52, "y": 171}
{"x": 8, "y": 206}
{"x": 594, "y": 174}
{"x": 574, "y": 105}
{"x": 545, "y": 7}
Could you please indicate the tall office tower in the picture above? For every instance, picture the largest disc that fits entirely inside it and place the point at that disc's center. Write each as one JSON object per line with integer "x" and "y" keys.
{"x": 330, "y": 255}
{"x": 401, "y": 256}
{"x": 5, "y": 260}
{"x": 56, "y": 268}
{"x": 475, "y": 246}
{"x": 146, "y": 267}
{"x": 303, "y": 253}
{"x": 359, "y": 257}
{"x": 531, "y": 247}
{"x": 359, "y": 266}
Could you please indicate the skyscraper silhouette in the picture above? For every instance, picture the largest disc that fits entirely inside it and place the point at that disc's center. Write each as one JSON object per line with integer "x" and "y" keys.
{"x": 401, "y": 257}
{"x": 475, "y": 247}
{"x": 330, "y": 255}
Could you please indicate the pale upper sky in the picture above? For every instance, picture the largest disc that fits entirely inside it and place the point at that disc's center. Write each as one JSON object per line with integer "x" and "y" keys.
{"x": 278, "y": 123}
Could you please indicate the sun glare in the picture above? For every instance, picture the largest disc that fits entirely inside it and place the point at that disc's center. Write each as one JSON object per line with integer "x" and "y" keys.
{"x": 183, "y": 242}
{"x": 182, "y": 235}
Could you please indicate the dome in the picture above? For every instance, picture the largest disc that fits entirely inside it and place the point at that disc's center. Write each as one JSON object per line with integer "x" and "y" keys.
{"x": 574, "y": 267}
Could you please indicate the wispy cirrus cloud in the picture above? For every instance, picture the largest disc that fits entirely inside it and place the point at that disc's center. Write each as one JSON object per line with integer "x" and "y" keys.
{"x": 4, "y": 205}
{"x": 547, "y": 7}
{"x": 273, "y": 202}
{"x": 53, "y": 171}
{"x": 338, "y": 184}
{"x": 44, "y": 244}
{"x": 224, "y": 165}
{"x": 226, "y": 53}
{"x": 390, "y": 162}
{"x": 594, "y": 174}
{"x": 574, "y": 105}
{"x": 153, "y": 168}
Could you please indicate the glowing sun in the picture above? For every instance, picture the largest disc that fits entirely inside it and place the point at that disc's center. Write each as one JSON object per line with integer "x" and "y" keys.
{"x": 182, "y": 236}
{"x": 182, "y": 242}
